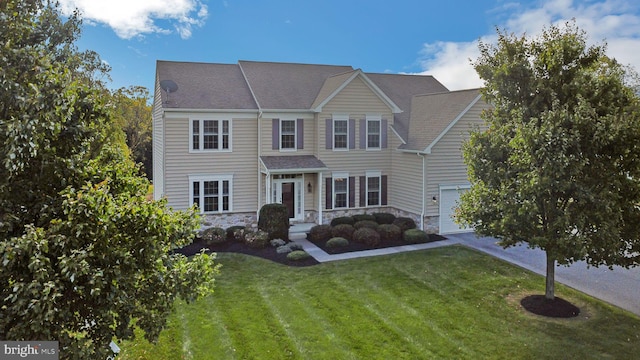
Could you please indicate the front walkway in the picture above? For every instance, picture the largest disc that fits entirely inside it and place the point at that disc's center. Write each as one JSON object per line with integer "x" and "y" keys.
{"x": 619, "y": 286}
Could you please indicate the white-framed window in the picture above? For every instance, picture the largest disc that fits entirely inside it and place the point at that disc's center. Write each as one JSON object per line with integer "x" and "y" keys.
{"x": 209, "y": 135}
{"x": 288, "y": 134}
{"x": 340, "y": 132}
{"x": 373, "y": 131}
{"x": 211, "y": 193}
{"x": 340, "y": 190}
{"x": 374, "y": 188}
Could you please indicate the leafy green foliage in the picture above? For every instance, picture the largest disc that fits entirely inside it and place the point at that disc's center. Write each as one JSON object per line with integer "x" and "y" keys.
{"x": 415, "y": 236}
{"x": 371, "y": 224}
{"x": 274, "y": 219}
{"x": 337, "y": 242}
{"x": 214, "y": 235}
{"x": 255, "y": 238}
{"x": 384, "y": 218}
{"x": 367, "y": 236}
{"x": 389, "y": 232}
{"x": 559, "y": 166}
{"x": 298, "y": 255}
{"x": 343, "y": 220}
{"x": 343, "y": 230}
{"x": 404, "y": 223}
{"x": 363, "y": 217}
{"x": 231, "y": 230}
{"x": 320, "y": 233}
{"x": 84, "y": 254}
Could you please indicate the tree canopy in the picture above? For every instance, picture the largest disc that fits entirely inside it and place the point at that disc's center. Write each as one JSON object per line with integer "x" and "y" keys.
{"x": 85, "y": 256}
{"x": 558, "y": 167}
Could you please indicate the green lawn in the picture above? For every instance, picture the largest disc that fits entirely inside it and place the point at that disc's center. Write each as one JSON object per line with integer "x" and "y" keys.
{"x": 448, "y": 302}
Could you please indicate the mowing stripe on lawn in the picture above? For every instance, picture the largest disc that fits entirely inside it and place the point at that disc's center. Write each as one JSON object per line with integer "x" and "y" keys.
{"x": 284, "y": 325}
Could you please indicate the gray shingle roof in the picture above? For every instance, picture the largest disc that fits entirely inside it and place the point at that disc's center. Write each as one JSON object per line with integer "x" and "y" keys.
{"x": 287, "y": 85}
{"x": 401, "y": 88}
{"x": 292, "y": 162}
{"x": 205, "y": 86}
{"x": 431, "y": 115}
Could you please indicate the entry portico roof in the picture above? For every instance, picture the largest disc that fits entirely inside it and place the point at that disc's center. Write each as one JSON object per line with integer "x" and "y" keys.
{"x": 292, "y": 164}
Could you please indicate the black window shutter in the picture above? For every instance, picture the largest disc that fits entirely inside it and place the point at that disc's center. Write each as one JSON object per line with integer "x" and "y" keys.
{"x": 329, "y": 194}
{"x": 300, "y": 134}
{"x": 275, "y": 134}
{"x": 363, "y": 133}
{"x": 352, "y": 191}
{"x": 363, "y": 191}
{"x": 329, "y": 133}
{"x": 383, "y": 190}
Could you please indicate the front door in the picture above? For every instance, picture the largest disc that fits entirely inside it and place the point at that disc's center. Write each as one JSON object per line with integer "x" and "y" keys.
{"x": 289, "y": 193}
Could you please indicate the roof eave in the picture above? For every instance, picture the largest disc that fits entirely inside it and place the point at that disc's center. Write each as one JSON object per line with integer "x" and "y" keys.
{"x": 427, "y": 150}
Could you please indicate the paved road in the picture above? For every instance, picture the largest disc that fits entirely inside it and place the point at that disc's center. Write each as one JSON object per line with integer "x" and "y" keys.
{"x": 620, "y": 287}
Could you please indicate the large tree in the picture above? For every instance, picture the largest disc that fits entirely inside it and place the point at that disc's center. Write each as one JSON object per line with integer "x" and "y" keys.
{"x": 84, "y": 255}
{"x": 559, "y": 166}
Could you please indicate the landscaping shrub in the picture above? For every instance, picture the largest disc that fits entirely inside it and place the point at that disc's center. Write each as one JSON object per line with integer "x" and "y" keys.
{"x": 405, "y": 223}
{"x": 371, "y": 224}
{"x": 231, "y": 231}
{"x": 415, "y": 236}
{"x": 389, "y": 232}
{"x": 343, "y": 230}
{"x": 256, "y": 239}
{"x": 277, "y": 242}
{"x": 320, "y": 233}
{"x": 294, "y": 246}
{"x": 367, "y": 236}
{"x": 298, "y": 255}
{"x": 384, "y": 218}
{"x": 274, "y": 219}
{"x": 284, "y": 249}
{"x": 239, "y": 234}
{"x": 214, "y": 235}
{"x": 343, "y": 220}
{"x": 363, "y": 217}
{"x": 337, "y": 242}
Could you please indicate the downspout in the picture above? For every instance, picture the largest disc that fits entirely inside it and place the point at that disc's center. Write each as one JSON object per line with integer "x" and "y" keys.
{"x": 259, "y": 154}
{"x": 423, "y": 211}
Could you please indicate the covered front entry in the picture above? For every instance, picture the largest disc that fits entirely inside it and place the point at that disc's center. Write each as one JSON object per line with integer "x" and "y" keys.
{"x": 287, "y": 190}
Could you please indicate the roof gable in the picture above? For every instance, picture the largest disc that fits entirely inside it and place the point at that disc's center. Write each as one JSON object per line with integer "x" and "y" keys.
{"x": 334, "y": 84}
{"x": 432, "y": 116}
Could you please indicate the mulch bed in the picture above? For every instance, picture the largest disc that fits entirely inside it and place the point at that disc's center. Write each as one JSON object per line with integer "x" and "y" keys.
{"x": 270, "y": 253}
{"x": 557, "y": 308}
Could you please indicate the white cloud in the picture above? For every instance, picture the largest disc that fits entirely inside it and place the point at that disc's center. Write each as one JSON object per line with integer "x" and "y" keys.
{"x": 615, "y": 21}
{"x": 131, "y": 18}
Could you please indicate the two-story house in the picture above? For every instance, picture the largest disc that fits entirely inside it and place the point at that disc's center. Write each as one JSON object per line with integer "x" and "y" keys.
{"x": 324, "y": 140}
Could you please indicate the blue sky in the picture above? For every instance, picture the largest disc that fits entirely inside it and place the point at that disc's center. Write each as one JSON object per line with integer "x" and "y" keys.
{"x": 402, "y": 36}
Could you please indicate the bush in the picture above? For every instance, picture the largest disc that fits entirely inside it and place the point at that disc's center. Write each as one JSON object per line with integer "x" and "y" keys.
{"x": 320, "y": 233}
{"x": 343, "y": 230}
{"x": 274, "y": 219}
{"x": 231, "y": 231}
{"x": 405, "y": 223}
{"x": 337, "y": 242}
{"x": 256, "y": 239}
{"x": 343, "y": 220}
{"x": 239, "y": 233}
{"x": 366, "y": 236}
{"x": 214, "y": 235}
{"x": 294, "y": 246}
{"x": 298, "y": 255}
{"x": 384, "y": 218}
{"x": 389, "y": 232}
{"x": 371, "y": 224}
{"x": 415, "y": 236}
{"x": 277, "y": 242}
{"x": 363, "y": 217}
{"x": 284, "y": 249}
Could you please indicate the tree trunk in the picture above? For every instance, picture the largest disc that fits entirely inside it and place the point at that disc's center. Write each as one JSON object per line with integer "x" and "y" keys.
{"x": 551, "y": 273}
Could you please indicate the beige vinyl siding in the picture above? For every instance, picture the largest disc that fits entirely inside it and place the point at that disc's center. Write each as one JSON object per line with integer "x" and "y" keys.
{"x": 241, "y": 163}
{"x": 356, "y": 97}
{"x": 445, "y": 165}
{"x": 157, "y": 144}
{"x": 405, "y": 189}
{"x": 266, "y": 128}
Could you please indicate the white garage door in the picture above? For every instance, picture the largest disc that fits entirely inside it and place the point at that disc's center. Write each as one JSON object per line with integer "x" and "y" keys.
{"x": 449, "y": 198}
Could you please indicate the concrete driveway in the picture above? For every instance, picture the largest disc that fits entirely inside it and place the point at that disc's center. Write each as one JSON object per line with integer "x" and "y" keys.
{"x": 620, "y": 286}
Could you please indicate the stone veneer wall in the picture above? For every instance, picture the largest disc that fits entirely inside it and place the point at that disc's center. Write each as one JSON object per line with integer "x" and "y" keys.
{"x": 227, "y": 220}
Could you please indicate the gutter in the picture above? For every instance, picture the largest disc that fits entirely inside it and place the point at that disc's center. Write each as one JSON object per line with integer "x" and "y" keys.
{"x": 423, "y": 211}
{"x": 258, "y": 118}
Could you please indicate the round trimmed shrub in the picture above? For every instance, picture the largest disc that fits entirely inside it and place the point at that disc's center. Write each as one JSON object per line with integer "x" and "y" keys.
{"x": 405, "y": 223}
{"x": 367, "y": 236}
{"x": 320, "y": 233}
{"x": 389, "y": 232}
{"x": 384, "y": 218}
{"x": 274, "y": 219}
{"x": 284, "y": 249}
{"x": 371, "y": 224}
{"x": 343, "y": 230}
{"x": 298, "y": 255}
{"x": 343, "y": 220}
{"x": 231, "y": 231}
{"x": 337, "y": 242}
{"x": 277, "y": 242}
{"x": 415, "y": 236}
{"x": 363, "y": 217}
{"x": 256, "y": 239}
{"x": 214, "y": 235}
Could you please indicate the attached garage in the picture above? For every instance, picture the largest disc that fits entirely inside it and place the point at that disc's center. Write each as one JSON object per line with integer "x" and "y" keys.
{"x": 449, "y": 198}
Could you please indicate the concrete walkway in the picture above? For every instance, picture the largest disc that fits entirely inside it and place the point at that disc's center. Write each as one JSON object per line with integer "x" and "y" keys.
{"x": 620, "y": 287}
